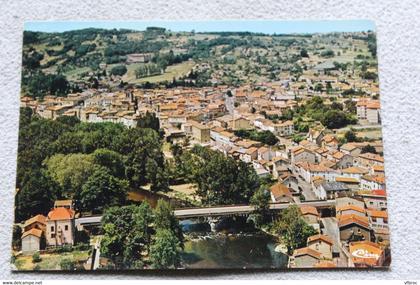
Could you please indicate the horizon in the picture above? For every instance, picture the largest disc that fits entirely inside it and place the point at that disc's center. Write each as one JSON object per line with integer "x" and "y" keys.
{"x": 254, "y": 26}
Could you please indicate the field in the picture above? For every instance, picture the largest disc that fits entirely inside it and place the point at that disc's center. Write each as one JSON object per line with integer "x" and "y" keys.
{"x": 176, "y": 70}
{"x": 50, "y": 261}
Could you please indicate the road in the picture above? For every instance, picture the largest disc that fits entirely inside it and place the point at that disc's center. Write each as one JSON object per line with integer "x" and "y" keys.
{"x": 331, "y": 230}
{"x": 306, "y": 188}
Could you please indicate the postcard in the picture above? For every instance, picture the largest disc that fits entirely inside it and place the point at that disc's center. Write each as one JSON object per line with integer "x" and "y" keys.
{"x": 210, "y": 145}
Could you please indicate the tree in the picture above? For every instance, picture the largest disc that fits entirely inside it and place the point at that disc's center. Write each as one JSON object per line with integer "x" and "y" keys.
{"x": 149, "y": 120}
{"x": 137, "y": 145}
{"x": 156, "y": 176}
{"x": 164, "y": 252}
{"x": 164, "y": 218}
{"x": 261, "y": 202}
{"x": 37, "y": 195}
{"x": 222, "y": 180}
{"x": 119, "y": 70}
{"x": 17, "y": 237}
{"x": 70, "y": 171}
{"x": 111, "y": 160}
{"x": 102, "y": 190}
{"x": 293, "y": 229}
{"x": 368, "y": 149}
{"x": 335, "y": 119}
{"x": 126, "y": 234}
{"x": 336, "y": 106}
{"x": 350, "y": 136}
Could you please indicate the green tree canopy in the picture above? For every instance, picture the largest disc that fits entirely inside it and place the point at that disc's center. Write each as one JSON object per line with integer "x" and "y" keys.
{"x": 164, "y": 252}
{"x": 70, "y": 171}
{"x": 102, "y": 190}
{"x": 293, "y": 229}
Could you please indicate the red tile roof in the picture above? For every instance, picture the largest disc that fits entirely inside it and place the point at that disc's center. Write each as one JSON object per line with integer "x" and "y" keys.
{"x": 325, "y": 238}
{"x": 35, "y": 219}
{"x": 356, "y": 219}
{"x": 309, "y": 210}
{"x": 307, "y": 251}
{"x": 34, "y": 232}
{"x": 60, "y": 214}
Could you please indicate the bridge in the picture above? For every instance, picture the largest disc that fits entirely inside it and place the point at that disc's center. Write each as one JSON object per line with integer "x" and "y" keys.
{"x": 217, "y": 211}
{"x": 220, "y": 211}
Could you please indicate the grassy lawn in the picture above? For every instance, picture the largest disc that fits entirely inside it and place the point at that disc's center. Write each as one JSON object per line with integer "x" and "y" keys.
{"x": 74, "y": 73}
{"x": 50, "y": 261}
{"x": 176, "y": 70}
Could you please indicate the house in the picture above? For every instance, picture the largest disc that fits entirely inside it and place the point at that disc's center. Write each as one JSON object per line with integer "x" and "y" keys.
{"x": 369, "y": 159}
{"x": 342, "y": 160}
{"x": 315, "y": 135}
{"x": 240, "y": 124}
{"x": 200, "y": 132}
{"x": 350, "y": 210}
{"x": 322, "y": 244}
{"x": 31, "y": 241}
{"x": 310, "y": 215}
{"x": 377, "y": 170}
{"x": 331, "y": 190}
{"x": 300, "y": 154}
{"x": 378, "y": 219}
{"x": 36, "y": 222}
{"x": 305, "y": 257}
{"x": 369, "y": 110}
{"x": 372, "y": 182}
{"x": 375, "y": 199}
{"x": 346, "y": 201}
{"x": 351, "y": 149}
{"x": 351, "y": 183}
{"x": 280, "y": 193}
{"x": 308, "y": 171}
{"x": 354, "y": 172}
{"x": 366, "y": 254}
{"x": 354, "y": 227}
{"x": 284, "y": 129}
{"x": 330, "y": 142}
{"x": 373, "y": 112}
{"x": 265, "y": 153}
{"x": 60, "y": 227}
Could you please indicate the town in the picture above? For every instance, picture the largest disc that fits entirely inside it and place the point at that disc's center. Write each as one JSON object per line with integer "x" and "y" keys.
{"x": 299, "y": 147}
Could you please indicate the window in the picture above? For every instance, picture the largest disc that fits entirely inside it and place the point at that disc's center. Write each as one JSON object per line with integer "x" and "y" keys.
{"x": 52, "y": 235}
{"x": 52, "y": 228}
{"x": 66, "y": 227}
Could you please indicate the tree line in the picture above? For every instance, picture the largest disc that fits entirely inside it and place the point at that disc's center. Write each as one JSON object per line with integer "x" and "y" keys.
{"x": 93, "y": 163}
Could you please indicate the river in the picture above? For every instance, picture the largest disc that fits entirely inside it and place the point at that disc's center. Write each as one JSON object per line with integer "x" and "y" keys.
{"x": 230, "y": 249}
{"x": 235, "y": 244}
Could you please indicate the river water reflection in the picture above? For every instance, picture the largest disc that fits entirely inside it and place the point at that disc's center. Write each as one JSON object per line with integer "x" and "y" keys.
{"x": 231, "y": 250}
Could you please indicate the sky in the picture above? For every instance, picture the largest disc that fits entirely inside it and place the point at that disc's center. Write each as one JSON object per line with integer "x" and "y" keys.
{"x": 260, "y": 26}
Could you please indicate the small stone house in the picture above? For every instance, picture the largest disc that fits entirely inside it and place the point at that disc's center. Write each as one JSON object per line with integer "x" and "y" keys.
{"x": 305, "y": 257}
{"x": 31, "y": 241}
{"x": 321, "y": 243}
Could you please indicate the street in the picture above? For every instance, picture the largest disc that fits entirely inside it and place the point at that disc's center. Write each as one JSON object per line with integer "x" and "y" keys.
{"x": 306, "y": 188}
{"x": 331, "y": 230}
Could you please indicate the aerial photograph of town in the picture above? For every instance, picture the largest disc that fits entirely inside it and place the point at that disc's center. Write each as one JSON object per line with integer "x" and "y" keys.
{"x": 200, "y": 145}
